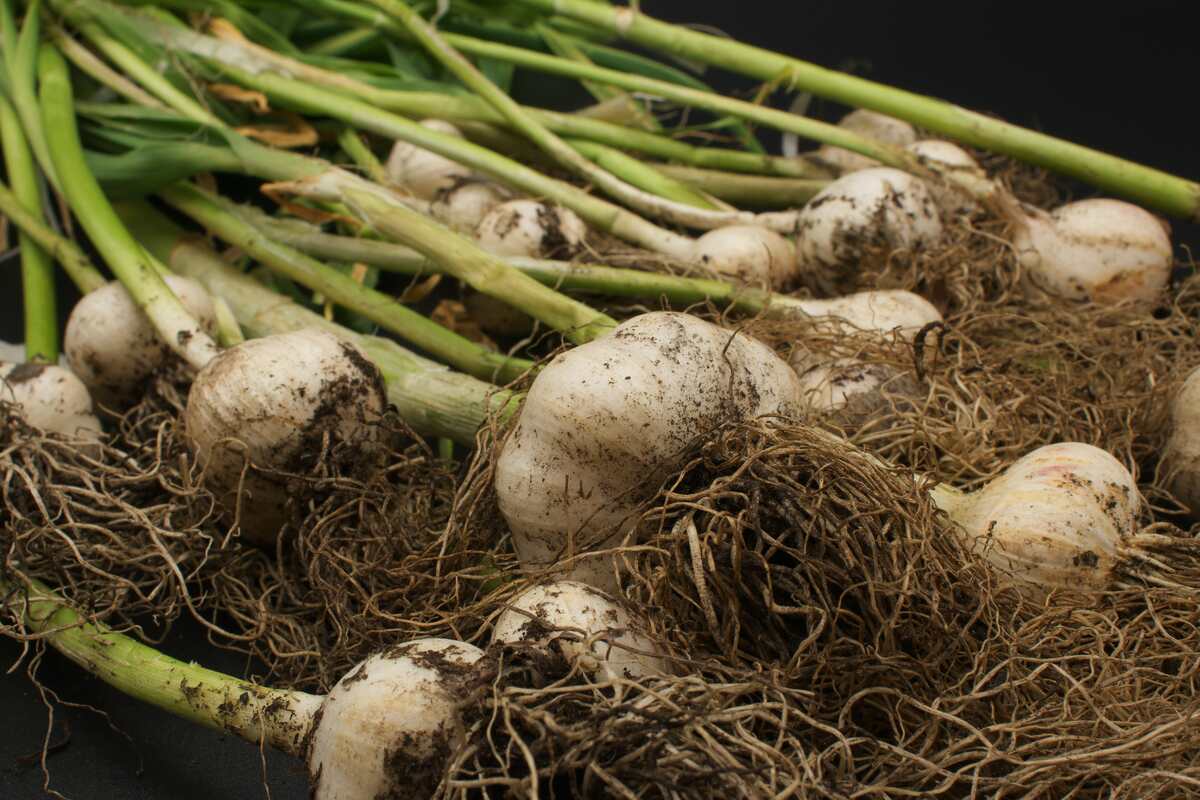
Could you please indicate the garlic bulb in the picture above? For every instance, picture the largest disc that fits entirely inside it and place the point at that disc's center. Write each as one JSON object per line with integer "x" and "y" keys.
{"x": 849, "y": 390}
{"x": 1061, "y": 517}
{"x": 1182, "y": 454}
{"x": 422, "y": 172}
{"x": 113, "y": 348}
{"x": 387, "y": 728}
{"x": 572, "y": 615}
{"x": 1101, "y": 250}
{"x": 949, "y": 157}
{"x": 880, "y": 207}
{"x": 51, "y": 398}
{"x": 873, "y": 125}
{"x": 527, "y": 228}
{"x": 272, "y": 402}
{"x": 750, "y": 254}
{"x": 885, "y": 310}
{"x": 463, "y": 206}
{"x": 604, "y": 422}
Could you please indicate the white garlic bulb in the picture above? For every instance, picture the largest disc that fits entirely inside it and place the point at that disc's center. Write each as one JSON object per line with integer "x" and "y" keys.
{"x": 529, "y": 229}
{"x": 603, "y": 423}
{"x": 111, "y": 345}
{"x": 948, "y": 157}
{"x": 388, "y": 727}
{"x": 464, "y": 205}
{"x": 880, "y": 207}
{"x": 271, "y": 402}
{"x": 1101, "y": 250}
{"x": 750, "y": 254}
{"x": 885, "y": 311}
{"x": 1061, "y": 517}
{"x": 573, "y": 615}
{"x": 850, "y": 390}
{"x": 873, "y": 125}
{"x": 51, "y": 398}
{"x": 423, "y": 172}
{"x": 1181, "y": 456}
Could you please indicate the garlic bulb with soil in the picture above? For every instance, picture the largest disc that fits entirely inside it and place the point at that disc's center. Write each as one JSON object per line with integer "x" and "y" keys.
{"x": 603, "y": 423}
{"x": 1181, "y": 457}
{"x": 276, "y": 402}
{"x": 423, "y": 172}
{"x": 858, "y": 213}
{"x": 1063, "y": 517}
{"x": 462, "y": 206}
{"x": 750, "y": 254}
{"x": 530, "y": 229}
{"x": 387, "y": 728}
{"x": 111, "y": 345}
{"x": 1105, "y": 251}
{"x": 51, "y": 398}
{"x": 948, "y": 157}
{"x": 873, "y": 125}
{"x": 850, "y": 391}
{"x": 587, "y": 626}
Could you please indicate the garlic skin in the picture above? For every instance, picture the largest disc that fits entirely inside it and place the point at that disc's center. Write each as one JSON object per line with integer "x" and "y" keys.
{"x": 749, "y": 254}
{"x": 113, "y": 348}
{"x": 463, "y": 206}
{"x": 889, "y": 311}
{"x": 529, "y": 229}
{"x": 949, "y": 157}
{"x": 603, "y": 423}
{"x": 51, "y": 398}
{"x": 388, "y": 726}
{"x": 870, "y": 208}
{"x": 421, "y": 171}
{"x": 272, "y": 401}
{"x": 873, "y": 125}
{"x": 619, "y": 639}
{"x": 1105, "y": 251}
{"x": 1058, "y": 518}
{"x": 1181, "y": 456}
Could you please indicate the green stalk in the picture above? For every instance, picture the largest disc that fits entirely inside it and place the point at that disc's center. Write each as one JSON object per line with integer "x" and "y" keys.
{"x": 37, "y": 270}
{"x": 376, "y": 306}
{"x": 599, "y": 213}
{"x": 131, "y": 63}
{"x": 20, "y": 67}
{"x": 74, "y": 261}
{"x": 88, "y": 63}
{"x": 433, "y": 399}
{"x": 353, "y": 146}
{"x": 596, "y": 279}
{"x": 1151, "y": 187}
{"x": 640, "y": 174}
{"x": 561, "y": 152}
{"x": 345, "y": 42}
{"x": 124, "y": 255}
{"x": 755, "y": 191}
{"x": 458, "y": 256}
{"x": 257, "y": 714}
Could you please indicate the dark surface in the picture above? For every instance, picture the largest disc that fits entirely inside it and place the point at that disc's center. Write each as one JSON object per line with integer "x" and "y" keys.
{"x": 1122, "y": 81}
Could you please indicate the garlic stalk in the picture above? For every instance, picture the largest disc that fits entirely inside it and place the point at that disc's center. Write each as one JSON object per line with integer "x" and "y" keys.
{"x": 386, "y": 729}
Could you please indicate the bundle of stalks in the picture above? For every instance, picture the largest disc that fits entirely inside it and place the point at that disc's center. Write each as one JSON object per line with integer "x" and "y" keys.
{"x": 819, "y": 618}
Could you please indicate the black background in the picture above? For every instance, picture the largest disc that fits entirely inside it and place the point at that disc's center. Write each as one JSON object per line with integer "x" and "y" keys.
{"x": 1118, "y": 78}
